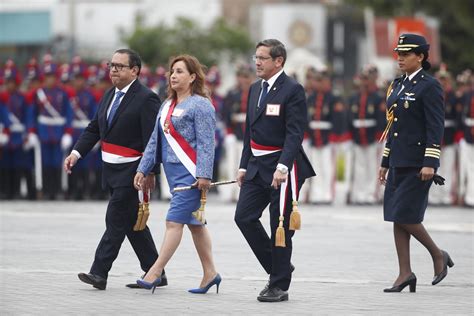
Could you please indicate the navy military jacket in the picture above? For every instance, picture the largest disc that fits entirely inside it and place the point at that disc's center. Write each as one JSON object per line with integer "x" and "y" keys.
{"x": 321, "y": 118}
{"x": 234, "y": 112}
{"x": 365, "y": 116}
{"x": 467, "y": 116}
{"x": 451, "y": 121}
{"x": 417, "y": 116}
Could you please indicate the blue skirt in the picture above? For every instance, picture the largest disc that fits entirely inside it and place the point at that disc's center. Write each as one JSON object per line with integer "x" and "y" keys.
{"x": 183, "y": 203}
{"x": 406, "y": 196}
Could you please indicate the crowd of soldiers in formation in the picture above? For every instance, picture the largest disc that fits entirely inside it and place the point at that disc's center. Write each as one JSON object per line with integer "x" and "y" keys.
{"x": 46, "y": 106}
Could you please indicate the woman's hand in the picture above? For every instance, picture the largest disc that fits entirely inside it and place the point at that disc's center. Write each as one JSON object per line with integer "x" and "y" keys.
{"x": 203, "y": 184}
{"x": 383, "y": 175}
{"x": 138, "y": 181}
{"x": 426, "y": 173}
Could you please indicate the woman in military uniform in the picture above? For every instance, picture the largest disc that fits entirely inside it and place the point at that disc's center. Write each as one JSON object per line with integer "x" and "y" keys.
{"x": 415, "y": 124}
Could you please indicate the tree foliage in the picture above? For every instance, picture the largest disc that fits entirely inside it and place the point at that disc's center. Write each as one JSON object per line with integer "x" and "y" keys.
{"x": 456, "y": 24}
{"x": 157, "y": 44}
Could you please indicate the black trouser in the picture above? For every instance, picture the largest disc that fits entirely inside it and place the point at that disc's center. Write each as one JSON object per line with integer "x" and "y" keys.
{"x": 254, "y": 197}
{"x": 120, "y": 219}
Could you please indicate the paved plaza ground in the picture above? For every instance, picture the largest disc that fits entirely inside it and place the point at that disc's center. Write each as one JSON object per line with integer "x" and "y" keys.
{"x": 344, "y": 257}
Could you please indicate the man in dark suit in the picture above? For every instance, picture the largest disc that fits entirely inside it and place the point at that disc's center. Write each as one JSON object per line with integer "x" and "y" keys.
{"x": 123, "y": 124}
{"x": 273, "y": 166}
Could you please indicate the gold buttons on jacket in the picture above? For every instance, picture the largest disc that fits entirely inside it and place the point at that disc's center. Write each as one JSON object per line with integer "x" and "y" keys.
{"x": 395, "y": 134}
{"x": 395, "y": 119}
{"x": 395, "y": 105}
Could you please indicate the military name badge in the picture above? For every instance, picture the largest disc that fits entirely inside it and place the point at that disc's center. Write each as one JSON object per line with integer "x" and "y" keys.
{"x": 273, "y": 110}
{"x": 177, "y": 112}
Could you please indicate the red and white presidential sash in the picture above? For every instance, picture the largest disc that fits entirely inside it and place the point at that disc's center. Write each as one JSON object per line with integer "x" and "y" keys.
{"x": 182, "y": 149}
{"x": 262, "y": 150}
{"x": 118, "y": 154}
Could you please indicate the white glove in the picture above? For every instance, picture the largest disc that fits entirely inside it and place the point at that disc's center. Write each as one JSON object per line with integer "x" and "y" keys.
{"x": 66, "y": 142}
{"x": 4, "y": 138}
{"x": 31, "y": 141}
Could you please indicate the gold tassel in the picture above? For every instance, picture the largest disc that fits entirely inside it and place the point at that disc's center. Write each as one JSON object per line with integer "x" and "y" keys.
{"x": 139, "y": 217}
{"x": 295, "y": 217}
{"x": 199, "y": 214}
{"x": 280, "y": 234}
{"x": 390, "y": 117}
{"x": 146, "y": 214}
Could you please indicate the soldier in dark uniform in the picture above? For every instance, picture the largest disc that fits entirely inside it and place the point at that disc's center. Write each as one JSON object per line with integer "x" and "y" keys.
{"x": 466, "y": 151}
{"x": 322, "y": 118}
{"x": 213, "y": 80}
{"x": 84, "y": 107}
{"x": 4, "y": 140}
{"x": 234, "y": 113}
{"x": 19, "y": 162}
{"x": 415, "y": 115}
{"x": 364, "y": 115}
{"x": 446, "y": 194}
{"x": 54, "y": 118}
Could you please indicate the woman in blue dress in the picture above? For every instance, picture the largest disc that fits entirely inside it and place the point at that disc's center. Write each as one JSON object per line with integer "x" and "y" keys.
{"x": 183, "y": 141}
{"x": 415, "y": 114}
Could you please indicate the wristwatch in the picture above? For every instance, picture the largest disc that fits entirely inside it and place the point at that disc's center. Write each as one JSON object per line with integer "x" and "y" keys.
{"x": 282, "y": 168}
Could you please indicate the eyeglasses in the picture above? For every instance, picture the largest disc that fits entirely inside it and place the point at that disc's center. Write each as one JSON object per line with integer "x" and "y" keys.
{"x": 260, "y": 58}
{"x": 117, "y": 67}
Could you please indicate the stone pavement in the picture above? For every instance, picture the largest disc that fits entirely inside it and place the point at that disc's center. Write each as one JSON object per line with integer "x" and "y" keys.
{"x": 344, "y": 257}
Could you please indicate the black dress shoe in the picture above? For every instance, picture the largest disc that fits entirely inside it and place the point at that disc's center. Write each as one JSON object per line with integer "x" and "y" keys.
{"x": 164, "y": 282}
{"x": 292, "y": 268}
{"x": 411, "y": 281}
{"x": 447, "y": 263}
{"x": 96, "y": 281}
{"x": 274, "y": 294}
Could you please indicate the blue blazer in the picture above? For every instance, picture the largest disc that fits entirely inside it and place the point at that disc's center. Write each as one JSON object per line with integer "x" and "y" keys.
{"x": 414, "y": 139}
{"x": 284, "y": 130}
{"x": 197, "y": 124}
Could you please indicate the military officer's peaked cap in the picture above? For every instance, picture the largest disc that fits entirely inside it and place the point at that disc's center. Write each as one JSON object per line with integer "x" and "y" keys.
{"x": 412, "y": 43}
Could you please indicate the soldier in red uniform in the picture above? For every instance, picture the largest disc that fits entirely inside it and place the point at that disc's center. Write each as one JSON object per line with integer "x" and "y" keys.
{"x": 54, "y": 129}
{"x": 364, "y": 118}
{"x": 322, "y": 118}
{"x": 19, "y": 163}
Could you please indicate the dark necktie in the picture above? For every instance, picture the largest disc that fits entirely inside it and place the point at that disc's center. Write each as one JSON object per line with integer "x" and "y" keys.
{"x": 115, "y": 105}
{"x": 263, "y": 95}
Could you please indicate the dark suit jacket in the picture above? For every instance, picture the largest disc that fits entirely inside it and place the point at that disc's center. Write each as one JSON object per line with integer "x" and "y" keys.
{"x": 285, "y": 130}
{"x": 131, "y": 127}
{"x": 415, "y": 137}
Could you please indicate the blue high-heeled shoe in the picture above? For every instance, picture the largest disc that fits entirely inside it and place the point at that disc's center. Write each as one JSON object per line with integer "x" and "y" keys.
{"x": 203, "y": 290}
{"x": 148, "y": 285}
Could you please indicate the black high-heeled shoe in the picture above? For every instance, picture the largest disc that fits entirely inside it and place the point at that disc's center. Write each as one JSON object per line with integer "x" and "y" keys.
{"x": 411, "y": 281}
{"x": 447, "y": 263}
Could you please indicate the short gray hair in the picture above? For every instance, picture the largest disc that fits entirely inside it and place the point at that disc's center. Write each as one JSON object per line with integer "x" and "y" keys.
{"x": 277, "y": 49}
